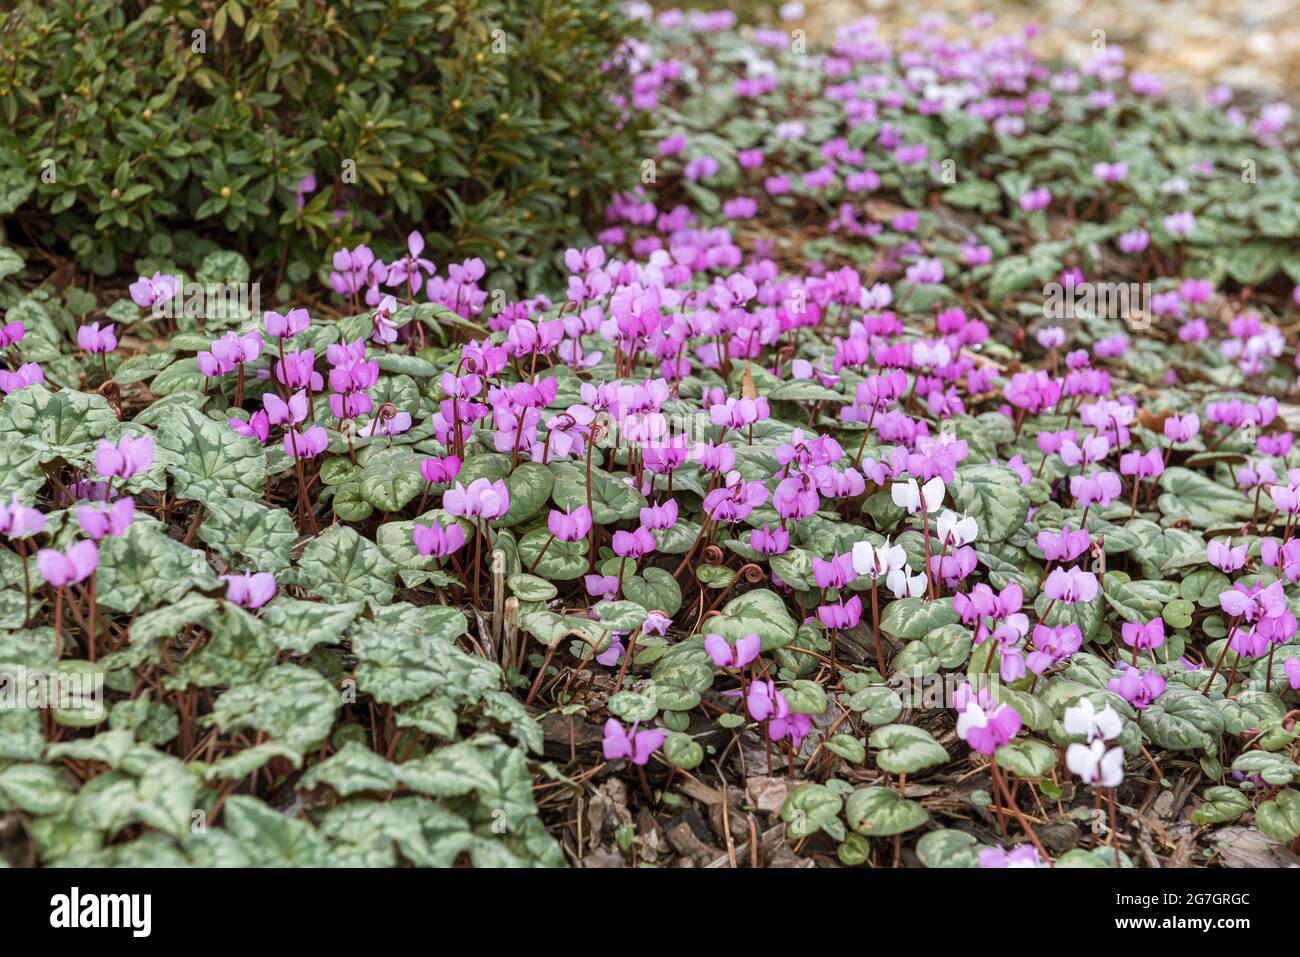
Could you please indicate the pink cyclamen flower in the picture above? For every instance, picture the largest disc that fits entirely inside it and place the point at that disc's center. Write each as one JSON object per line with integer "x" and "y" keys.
{"x": 763, "y": 701}
{"x": 1110, "y": 172}
{"x": 1180, "y": 224}
{"x": 600, "y": 586}
{"x": 636, "y": 745}
{"x": 482, "y": 500}
{"x": 789, "y": 725}
{"x": 660, "y": 516}
{"x": 1036, "y": 199}
{"x": 130, "y": 456}
{"x": 11, "y": 333}
{"x": 768, "y": 541}
{"x": 1098, "y": 487}
{"x": 77, "y": 564}
{"x": 633, "y": 544}
{"x": 1182, "y": 429}
{"x": 99, "y": 521}
{"x": 1052, "y": 646}
{"x": 986, "y": 732}
{"x": 19, "y": 521}
{"x": 1065, "y": 545}
{"x": 436, "y": 540}
{"x": 250, "y": 589}
{"x": 1150, "y": 465}
{"x": 725, "y": 656}
{"x": 1134, "y": 242}
{"x": 146, "y": 291}
{"x": 286, "y": 326}
{"x": 1223, "y": 556}
{"x": 1023, "y": 856}
{"x": 1138, "y": 688}
{"x": 438, "y": 471}
{"x": 844, "y": 615}
{"x": 1143, "y": 637}
{"x": 1292, "y": 669}
{"x": 306, "y": 445}
{"x": 28, "y": 373}
{"x": 257, "y": 427}
{"x": 280, "y": 412}
{"x": 569, "y": 526}
{"x": 93, "y": 339}
{"x": 836, "y": 573}
{"x": 394, "y": 424}
{"x": 1070, "y": 585}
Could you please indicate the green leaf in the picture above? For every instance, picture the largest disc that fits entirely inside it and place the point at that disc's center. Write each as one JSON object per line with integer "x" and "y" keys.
{"x": 530, "y": 487}
{"x": 851, "y": 749}
{"x": 877, "y": 704}
{"x": 1182, "y": 720}
{"x": 807, "y": 808}
{"x": 946, "y": 647}
{"x": 906, "y": 749}
{"x": 1199, "y": 500}
{"x": 948, "y": 848}
{"x": 1280, "y": 817}
{"x": 1028, "y": 759}
{"x": 527, "y": 587}
{"x": 654, "y": 589}
{"x": 36, "y": 788}
{"x": 399, "y": 665}
{"x": 612, "y": 499}
{"x": 1139, "y": 601}
{"x": 299, "y": 626}
{"x": 293, "y": 705}
{"x": 1272, "y": 767}
{"x": 758, "y": 612}
{"x": 247, "y": 533}
{"x": 994, "y": 497}
{"x": 624, "y": 616}
{"x": 682, "y": 751}
{"x": 1221, "y": 806}
{"x": 806, "y": 697}
{"x": 390, "y": 477}
{"x": 561, "y": 561}
{"x": 342, "y": 566}
{"x": 144, "y": 567}
{"x": 272, "y": 839}
{"x": 880, "y": 812}
{"x": 353, "y": 769}
{"x": 209, "y": 460}
{"x": 912, "y": 618}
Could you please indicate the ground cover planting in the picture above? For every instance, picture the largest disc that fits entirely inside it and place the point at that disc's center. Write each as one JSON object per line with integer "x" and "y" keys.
{"x": 900, "y": 473}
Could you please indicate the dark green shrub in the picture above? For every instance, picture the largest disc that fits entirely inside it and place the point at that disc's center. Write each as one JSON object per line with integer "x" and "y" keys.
{"x": 486, "y": 123}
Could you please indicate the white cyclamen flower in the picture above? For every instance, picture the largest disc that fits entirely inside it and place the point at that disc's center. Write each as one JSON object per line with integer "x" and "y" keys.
{"x": 907, "y": 495}
{"x": 1095, "y": 764}
{"x": 877, "y": 560}
{"x": 904, "y": 584}
{"x": 955, "y": 531}
{"x": 1086, "y": 720}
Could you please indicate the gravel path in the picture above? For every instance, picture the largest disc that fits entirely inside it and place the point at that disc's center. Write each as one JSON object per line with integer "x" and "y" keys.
{"x": 1249, "y": 44}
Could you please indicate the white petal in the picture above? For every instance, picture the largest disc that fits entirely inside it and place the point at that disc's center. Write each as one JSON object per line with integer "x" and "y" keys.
{"x": 1078, "y": 720}
{"x": 864, "y": 559}
{"x": 967, "y": 530}
{"x": 905, "y": 495}
{"x": 972, "y": 717}
{"x": 1079, "y": 759}
{"x": 1112, "y": 768}
{"x": 933, "y": 493}
{"x": 1109, "y": 723}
